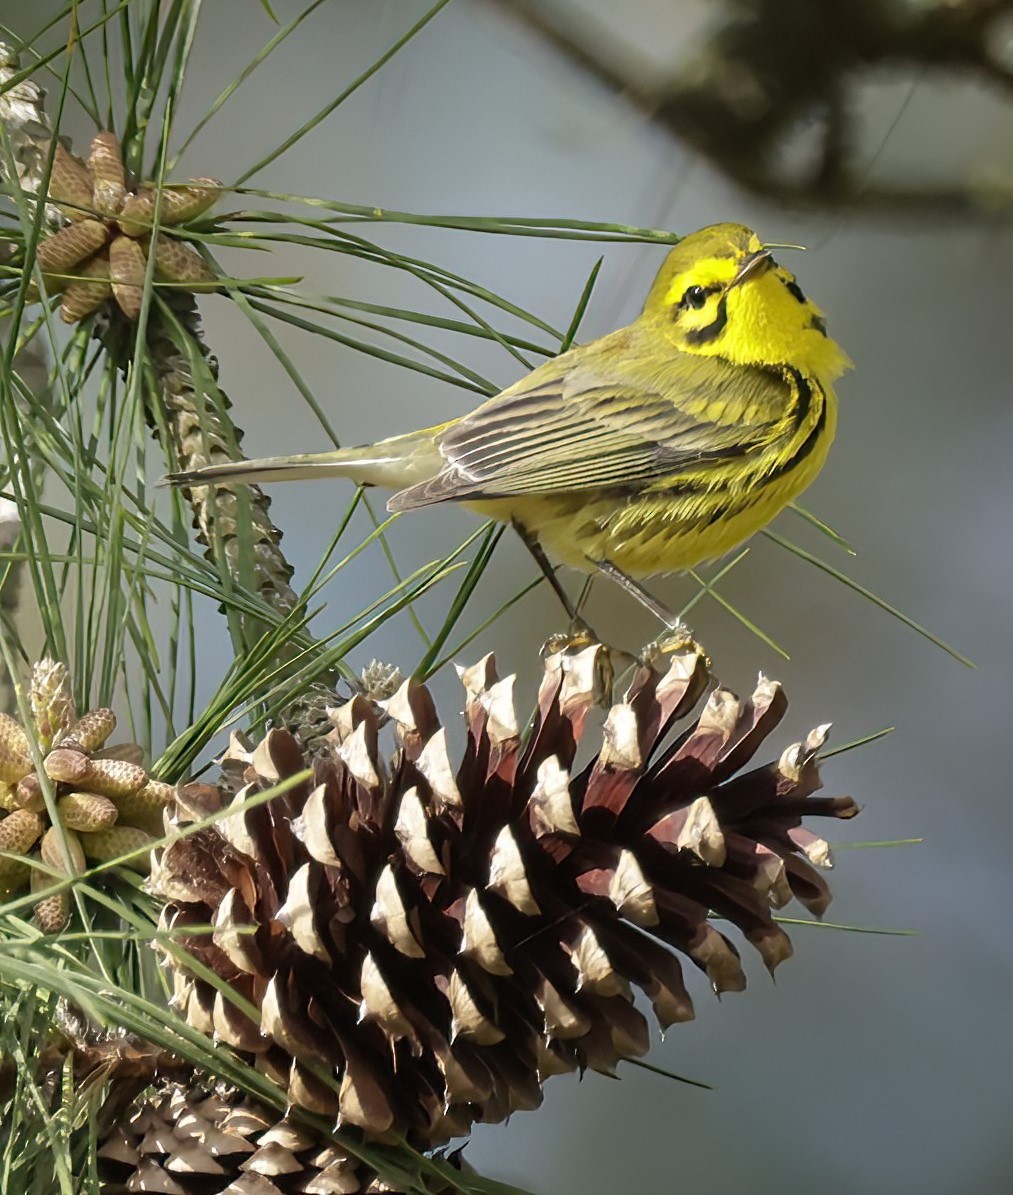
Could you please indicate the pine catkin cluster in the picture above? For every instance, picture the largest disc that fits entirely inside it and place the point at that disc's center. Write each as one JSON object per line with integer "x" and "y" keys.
{"x": 102, "y": 251}
{"x": 99, "y": 229}
{"x": 103, "y": 802}
{"x": 426, "y": 944}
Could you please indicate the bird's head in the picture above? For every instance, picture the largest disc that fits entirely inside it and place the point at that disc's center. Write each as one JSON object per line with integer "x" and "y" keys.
{"x": 721, "y": 294}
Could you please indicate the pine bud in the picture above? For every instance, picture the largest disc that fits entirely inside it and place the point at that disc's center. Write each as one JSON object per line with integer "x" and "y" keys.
{"x": 51, "y": 699}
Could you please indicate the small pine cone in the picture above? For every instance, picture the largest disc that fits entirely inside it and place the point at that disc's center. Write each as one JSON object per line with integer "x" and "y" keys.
{"x": 144, "y": 807}
{"x": 102, "y": 846}
{"x": 89, "y": 290}
{"x": 69, "y": 861}
{"x": 70, "y": 185}
{"x": 51, "y": 912}
{"x": 116, "y": 778}
{"x": 179, "y": 205}
{"x": 19, "y": 832}
{"x": 67, "y": 765}
{"x": 106, "y": 165}
{"x": 86, "y": 811}
{"x": 127, "y": 266}
{"x": 191, "y": 1140}
{"x": 135, "y": 219}
{"x": 64, "y": 250}
{"x": 12, "y": 735}
{"x": 91, "y": 732}
{"x": 443, "y": 939}
{"x": 29, "y": 794}
{"x": 51, "y": 699}
{"x": 176, "y": 261}
{"x": 15, "y": 760}
{"x": 113, "y": 778}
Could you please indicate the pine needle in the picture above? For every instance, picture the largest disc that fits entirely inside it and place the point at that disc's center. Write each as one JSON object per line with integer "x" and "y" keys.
{"x": 822, "y": 565}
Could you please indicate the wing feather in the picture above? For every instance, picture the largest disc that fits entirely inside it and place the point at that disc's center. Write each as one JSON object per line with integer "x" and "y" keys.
{"x": 583, "y": 428}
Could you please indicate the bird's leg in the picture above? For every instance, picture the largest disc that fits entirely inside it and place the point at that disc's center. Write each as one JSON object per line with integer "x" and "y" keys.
{"x": 585, "y": 592}
{"x": 636, "y": 590}
{"x": 677, "y": 634}
{"x": 535, "y": 548}
{"x": 580, "y": 634}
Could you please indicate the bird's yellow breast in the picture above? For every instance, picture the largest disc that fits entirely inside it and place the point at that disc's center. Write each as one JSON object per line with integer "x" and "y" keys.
{"x": 664, "y": 531}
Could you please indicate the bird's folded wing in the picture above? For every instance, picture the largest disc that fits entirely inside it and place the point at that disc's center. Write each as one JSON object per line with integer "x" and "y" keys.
{"x": 584, "y": 431}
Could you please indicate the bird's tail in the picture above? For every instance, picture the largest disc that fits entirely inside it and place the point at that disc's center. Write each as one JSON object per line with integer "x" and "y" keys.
{"x": 394, "y": 464}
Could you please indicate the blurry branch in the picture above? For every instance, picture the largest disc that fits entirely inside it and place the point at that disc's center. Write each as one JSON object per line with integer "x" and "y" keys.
{"x": 771, "y": 67}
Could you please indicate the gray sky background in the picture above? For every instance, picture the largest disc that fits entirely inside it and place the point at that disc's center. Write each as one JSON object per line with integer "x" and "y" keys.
{"x": 879, "y": 1064}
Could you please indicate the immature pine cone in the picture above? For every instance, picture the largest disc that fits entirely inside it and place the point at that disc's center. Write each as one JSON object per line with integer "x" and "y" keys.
{"x": 102, "y": 252}
{"x": 440, "y": 942}
{"x": 106, "y": 803}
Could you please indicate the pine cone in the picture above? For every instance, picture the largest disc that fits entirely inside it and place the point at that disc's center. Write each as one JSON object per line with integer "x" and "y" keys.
{"x": 106, "y": 803}
{"x": 441, "y": 941}
{"x": 189, "y": 1140}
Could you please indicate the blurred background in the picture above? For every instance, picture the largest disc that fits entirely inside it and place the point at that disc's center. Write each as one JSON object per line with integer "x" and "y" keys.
{"x": 878, "y": 1063}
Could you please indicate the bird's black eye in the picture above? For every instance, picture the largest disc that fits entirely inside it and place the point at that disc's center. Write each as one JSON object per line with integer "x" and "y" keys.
{"x": 694, "y": 297}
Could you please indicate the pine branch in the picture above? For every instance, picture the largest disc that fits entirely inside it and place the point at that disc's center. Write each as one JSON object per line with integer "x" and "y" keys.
{"x": 183, "y": 403}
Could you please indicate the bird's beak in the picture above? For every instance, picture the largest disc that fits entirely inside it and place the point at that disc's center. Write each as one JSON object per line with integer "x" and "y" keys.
{"x": 754, "y": 265}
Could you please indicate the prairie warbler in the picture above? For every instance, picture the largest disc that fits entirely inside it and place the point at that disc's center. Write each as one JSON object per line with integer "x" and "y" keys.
{"x": 647, "y": 451}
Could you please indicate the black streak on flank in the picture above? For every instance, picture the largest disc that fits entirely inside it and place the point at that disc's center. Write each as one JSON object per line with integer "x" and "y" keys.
{"x": 808, "y": 444}
{"x": 795, "y": 290}
{"x": 819, "y": 324}
{"x": 803, "y": 398}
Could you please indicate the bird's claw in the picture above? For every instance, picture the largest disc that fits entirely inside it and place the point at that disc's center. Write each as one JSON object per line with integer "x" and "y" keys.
{"x": 578, "y": 637}
{"x": 678, "y": 637}
{"x": 576, "y": 640}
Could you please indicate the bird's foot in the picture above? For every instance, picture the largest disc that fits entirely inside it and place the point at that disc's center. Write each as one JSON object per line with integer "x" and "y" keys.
{"x": 578, "y": 637}
{"x": 677, "y": 637}
{"x": 576, "y": 640}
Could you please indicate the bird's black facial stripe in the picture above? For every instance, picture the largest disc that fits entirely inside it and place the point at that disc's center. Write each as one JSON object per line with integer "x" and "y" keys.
{"x": 795, "y": 290}
{"x": 714, "y": 328}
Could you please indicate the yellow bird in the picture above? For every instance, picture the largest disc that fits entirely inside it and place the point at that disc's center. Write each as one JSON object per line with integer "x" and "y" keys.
{"x": 649, "y": 450}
